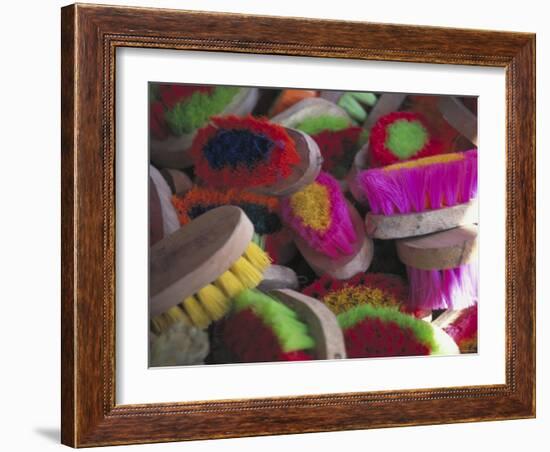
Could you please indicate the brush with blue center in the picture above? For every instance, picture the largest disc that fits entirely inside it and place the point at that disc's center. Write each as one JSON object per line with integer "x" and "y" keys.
{"x": 263, "y": 211}
{"x": 246, "y": 152}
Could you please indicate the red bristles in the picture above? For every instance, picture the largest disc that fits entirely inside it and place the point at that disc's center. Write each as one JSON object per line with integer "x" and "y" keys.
{"x": 249, "y": 339}
{"x": 157, "y": 124}
{"x": 336, "y": 146}
{"x": 275, "y": 165}
{"x": 372, "y": 337}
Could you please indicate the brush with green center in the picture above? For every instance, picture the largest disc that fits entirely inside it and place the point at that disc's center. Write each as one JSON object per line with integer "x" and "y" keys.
{"x": 379, "y": 331}
{"x": 330, "y": 127}
{"x": 178, "y": 111}
{"x": 400, "y": 136}
{"x": 196, "y": 271}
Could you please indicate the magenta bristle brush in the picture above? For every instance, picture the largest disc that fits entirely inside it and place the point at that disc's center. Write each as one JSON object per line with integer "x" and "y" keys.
{"x": 320, "y": 216}
{"x": 453, "y": 288}
{"x": 442, "y": 269}
{"x": 423, "y": 184}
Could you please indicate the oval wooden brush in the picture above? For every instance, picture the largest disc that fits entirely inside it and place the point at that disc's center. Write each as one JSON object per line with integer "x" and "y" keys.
{"x": 421, "y": 196}
{"x": 442, "y": 268}
{"x": 308, "y": 108}
{"x": 172, "y": 151}
{"x": 329, "y": 232}
{"x": 196, "y": 271}
{"x": 255, "y": 154}
{"x": 163, "y": 219}
{"x": 282, "y": 325}
{"x": 378, "y": 331}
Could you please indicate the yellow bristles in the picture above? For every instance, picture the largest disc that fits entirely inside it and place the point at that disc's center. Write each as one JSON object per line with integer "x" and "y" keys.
{"x": 214, "y": 302}
{"x": 442, "y": 158}
{"x": 174, "y": 315}
{"x": 257, "y": 257}
{"x": 249, "y": 275}
{"x": 195, "y": 311}
{"x": 230, "y": 284}
{"x": 312, "y": 206}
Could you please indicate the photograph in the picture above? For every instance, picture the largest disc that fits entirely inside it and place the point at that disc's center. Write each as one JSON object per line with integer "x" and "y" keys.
{"x": 292, "y": 224}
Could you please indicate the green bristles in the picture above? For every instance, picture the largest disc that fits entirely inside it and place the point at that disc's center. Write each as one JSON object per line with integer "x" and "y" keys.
{"x": 406, "y": 138}
{"x": 195, "y": 111}
{"x": 290, "y": 331}
{"x": 316, "y": 124}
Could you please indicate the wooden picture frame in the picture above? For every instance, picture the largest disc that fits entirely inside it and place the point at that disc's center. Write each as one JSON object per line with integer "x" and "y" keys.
{"x": 90, "y": 36}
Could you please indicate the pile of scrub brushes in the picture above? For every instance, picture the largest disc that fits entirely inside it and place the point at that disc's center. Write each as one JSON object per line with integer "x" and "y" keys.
{"x": 237, "y": 160}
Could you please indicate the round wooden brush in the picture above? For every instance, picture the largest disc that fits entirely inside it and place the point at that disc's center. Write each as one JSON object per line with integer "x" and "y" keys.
{"x": 255, "y": 154}
{"x": 196, "y": 271}
{"x": 378, "y": 331}
{"x": 328, "y": 231}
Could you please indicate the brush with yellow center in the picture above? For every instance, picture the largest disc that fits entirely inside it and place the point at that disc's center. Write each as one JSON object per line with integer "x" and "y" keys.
{"x": 377, "y": 289}
{"x": 196, "y": 271}
{"x": 320, "y": 216}
{"x": 421, "y": 196}
{"x": 327, "y": 229}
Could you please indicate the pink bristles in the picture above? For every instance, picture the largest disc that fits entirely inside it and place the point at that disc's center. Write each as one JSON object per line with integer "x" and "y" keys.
{"x": 454, "y": 288}
{"x": 338, "y": 237}
{"x": 419, "y": 188}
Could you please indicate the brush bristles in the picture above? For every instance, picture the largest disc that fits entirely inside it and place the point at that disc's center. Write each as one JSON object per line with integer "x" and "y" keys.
{"x": 195, "y": 311}
{"x": 425, "y": 184}
{"x": 249, "y": 275}
{"x": 454, "y": 288}
{"x": 213, "y": 301}
{"x": 320, "y": 215}
{"x": 230, "y": 284}
{"x": 167, "y": 319}
{"x": 257, "y": 257}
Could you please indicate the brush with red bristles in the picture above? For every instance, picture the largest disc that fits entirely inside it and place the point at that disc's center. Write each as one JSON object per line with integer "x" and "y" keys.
{"x": 252, "y": 153}
{"x": 261, "y": 328}
{"x": 380, "y": 331}
{"x": 400, "y": 136}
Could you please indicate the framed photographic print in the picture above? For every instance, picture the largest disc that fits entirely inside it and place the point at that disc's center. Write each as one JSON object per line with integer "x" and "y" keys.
{"x": 281, "y": 225}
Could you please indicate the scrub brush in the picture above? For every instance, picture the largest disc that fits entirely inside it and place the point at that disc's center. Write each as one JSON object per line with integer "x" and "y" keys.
{"x": 400, "y": 136}
{"x": 196, "y": 271}
{"x": 252, "y": 153}
{"x": 263, "y": 211}
{"x": 261, "y": 328}
{"x": 376, "y": 289}
{"x": 371, "y": 332}
{"x": 420, "y": 196}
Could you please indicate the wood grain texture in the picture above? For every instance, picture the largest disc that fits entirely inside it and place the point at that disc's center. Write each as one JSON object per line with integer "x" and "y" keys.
{"x": 90, "y": 36}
